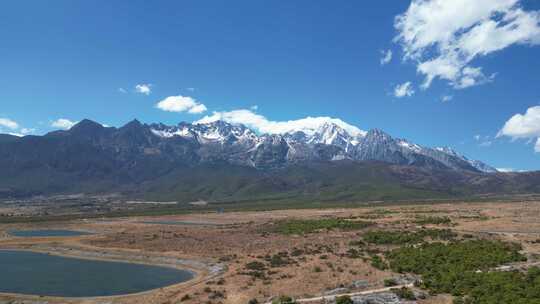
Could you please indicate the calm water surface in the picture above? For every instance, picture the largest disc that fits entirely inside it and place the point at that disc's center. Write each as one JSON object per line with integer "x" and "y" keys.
{"x": 47, "y": 233}
{"x": 34, "y": 273}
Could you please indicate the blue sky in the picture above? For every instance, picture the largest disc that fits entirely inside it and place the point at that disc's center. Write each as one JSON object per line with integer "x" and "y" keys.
{"x": 290, "y": 59}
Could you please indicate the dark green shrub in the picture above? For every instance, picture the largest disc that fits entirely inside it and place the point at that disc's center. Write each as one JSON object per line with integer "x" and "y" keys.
{"x": 377, "y": 262}
{"x": 255, "y": 265}
{"x": 310, "y": 226}
{"x": 284, "y": 300}
{"x": 404, "y": 293}
{"x": 344, "y": 300}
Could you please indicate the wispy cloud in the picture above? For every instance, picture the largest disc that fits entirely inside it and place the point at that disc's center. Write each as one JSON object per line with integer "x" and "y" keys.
{"x": 181, "y": 104}
{"x": 403, "y": 90}
{"x": 386, "y": 57}
{"x": 483, "y": 141}
{"x": 122, "y": 90}
{"x": 144, "y": 88}
{"x": 486, "y": 143}
{"x": 8, "y": 123}
{"x": 14, "y": 128}
{"x": 63, "y": 123}
{"x": 506, "y": 169}
{"x": 444, "y": 37}
{"x": 446, "y": 98}
{"x": 27, "y": 131}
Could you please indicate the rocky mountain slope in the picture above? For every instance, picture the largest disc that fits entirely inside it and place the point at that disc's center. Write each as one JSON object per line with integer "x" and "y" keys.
{"x": 230, "y": 160}
{"x": 238, "y": 144}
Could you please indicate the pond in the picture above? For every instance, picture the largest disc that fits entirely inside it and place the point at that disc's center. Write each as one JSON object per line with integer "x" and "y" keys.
{"x": 32, "y": 273}
{"x": 47, "y": 233}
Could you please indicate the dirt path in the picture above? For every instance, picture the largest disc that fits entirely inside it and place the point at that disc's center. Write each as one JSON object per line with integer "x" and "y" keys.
{"x": 360, "y": 293}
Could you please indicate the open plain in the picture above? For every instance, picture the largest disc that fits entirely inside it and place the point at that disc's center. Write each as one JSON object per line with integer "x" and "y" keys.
{"x": 246, "y": 256}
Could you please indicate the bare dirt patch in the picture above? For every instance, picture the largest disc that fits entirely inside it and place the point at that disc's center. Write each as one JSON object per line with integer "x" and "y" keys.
{"x": 262, "y": 262}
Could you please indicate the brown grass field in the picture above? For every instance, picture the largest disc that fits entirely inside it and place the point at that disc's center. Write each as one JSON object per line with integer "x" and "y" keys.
{"x": 297, "y": 264}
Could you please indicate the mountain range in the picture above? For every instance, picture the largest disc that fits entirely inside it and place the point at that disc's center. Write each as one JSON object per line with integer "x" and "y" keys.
{"x": 238, "y": 144}
{"x": 219, "y": 161}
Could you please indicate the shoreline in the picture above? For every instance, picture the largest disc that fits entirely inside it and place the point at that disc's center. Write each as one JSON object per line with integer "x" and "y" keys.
{"x": 201, "y": 271}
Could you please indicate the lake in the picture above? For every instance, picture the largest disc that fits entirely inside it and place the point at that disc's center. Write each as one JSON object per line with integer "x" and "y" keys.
{"x": 32, "y": 273}
{"x": 47, "y": 233}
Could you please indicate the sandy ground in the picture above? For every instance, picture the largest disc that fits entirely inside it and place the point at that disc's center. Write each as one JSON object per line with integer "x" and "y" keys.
{"x": 220, "y": 246}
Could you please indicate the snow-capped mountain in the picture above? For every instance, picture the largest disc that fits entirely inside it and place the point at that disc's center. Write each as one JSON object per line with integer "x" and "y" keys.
{"x": 475, "y": 163}
{"x": 238, "y": 144}
{"x": 192, "y": 144}
{"x": 222, "y": 160}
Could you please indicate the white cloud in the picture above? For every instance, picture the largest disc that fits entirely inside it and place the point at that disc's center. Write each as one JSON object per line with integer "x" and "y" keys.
{"x": 446, "y": 98}
{"x": 16, "y": 134}
{"x": 122, "y": 90}
{"x": 471, "y": 77}
{"x": 8, "y": 123}
{"x": 524, "y": 126}
{"x": 443, "y": 37}
{"x": 144, "y": 88}
{"x": 386, "y": 57}
{"x": 505, "y": 169}
{"x": 199, "y": 108}
{"x": 63, "y": 123}
{"x": 486, "y": 143}
{"x": 404, "y": 89}
{"x": 27, "y": 131}
{"x": 263, "y": 125}
{"x": 181, "y": 104}
{"x": 483, "y": 141}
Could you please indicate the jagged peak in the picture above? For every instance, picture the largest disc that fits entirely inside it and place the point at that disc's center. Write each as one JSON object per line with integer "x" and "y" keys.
{"x": 133, "y": 123}
{"x": 378, "y": 133}
{"x": 325, "y": 132}
{"x": 218, "y": 123}
{"x": 86, "y": 125}
{"x": 448, "y": 150}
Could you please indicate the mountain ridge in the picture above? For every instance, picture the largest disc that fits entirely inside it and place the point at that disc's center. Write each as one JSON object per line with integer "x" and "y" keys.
{"x": 330, "y": 134}
{"x": 220, "y": 160}
{"x": 243, "y": 146}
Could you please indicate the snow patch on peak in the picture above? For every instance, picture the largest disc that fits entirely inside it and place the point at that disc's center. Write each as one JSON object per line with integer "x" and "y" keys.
{"x": 171, "y": 132}
{"x": 304, "y": 140}
{"x": 474, "y": 163}
{"x": 449, "y": 151}
{"x": 410, "y": 146}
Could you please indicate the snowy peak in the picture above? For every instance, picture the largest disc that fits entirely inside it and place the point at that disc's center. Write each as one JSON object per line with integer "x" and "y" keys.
{"x": 217, "y": 131}
{"x": 409, "y": 146}
{"x": 474, "y": 163}
{"x": 164, "y": 131}
{"x": 332, "y": 134}
{"x": 324, "y": 141}
{"x": 377, "y": 137}
{"x": 449, "y": 151}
